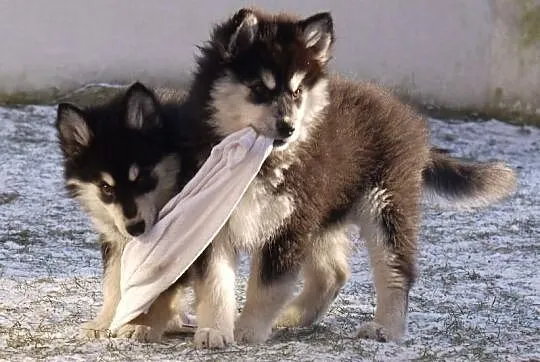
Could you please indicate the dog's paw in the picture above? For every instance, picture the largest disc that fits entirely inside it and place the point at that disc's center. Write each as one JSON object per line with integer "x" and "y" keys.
{"x": 250, "y": 330}
{"x": 94, "y": 330}
{"x": 212, "y": 338}
{"x": 375, "y": 331}
{"x": 139, "y": 333}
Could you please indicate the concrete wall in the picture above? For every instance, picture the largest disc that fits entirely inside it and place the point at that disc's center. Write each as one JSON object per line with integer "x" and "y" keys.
{"x": 515, "y": 66}
{"x": 460, "y": 54}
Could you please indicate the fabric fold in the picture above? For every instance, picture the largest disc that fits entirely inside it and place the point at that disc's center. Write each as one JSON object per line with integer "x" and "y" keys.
{"x": 188, "y": 223}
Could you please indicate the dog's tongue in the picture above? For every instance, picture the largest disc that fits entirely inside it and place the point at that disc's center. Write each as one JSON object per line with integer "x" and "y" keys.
{"x": 188, "y": 223}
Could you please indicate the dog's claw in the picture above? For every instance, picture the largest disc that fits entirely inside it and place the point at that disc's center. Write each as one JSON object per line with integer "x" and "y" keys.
{"x": 94, "y": 330}
{"x": 139, "y": 333}
{"x": 212, "y": 338}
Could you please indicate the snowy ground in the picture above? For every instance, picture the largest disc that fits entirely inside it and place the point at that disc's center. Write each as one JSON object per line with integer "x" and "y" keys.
{"x": 477, "y": 297}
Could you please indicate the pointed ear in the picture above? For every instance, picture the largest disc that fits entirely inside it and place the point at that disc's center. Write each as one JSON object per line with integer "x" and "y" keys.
{"x": 73, "y": 131}
{"x": 141, "y": 108}
{"x": 318, "y": 34}
{"x": 246, "y": 27}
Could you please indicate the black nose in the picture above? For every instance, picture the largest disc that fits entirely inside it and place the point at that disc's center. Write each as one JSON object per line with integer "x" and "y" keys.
{"x": 284, "y": 129}
{"x": 136, "y": 229}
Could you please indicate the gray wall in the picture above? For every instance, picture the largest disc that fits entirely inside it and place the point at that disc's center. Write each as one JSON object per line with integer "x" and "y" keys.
{"x": 463, "y": 54}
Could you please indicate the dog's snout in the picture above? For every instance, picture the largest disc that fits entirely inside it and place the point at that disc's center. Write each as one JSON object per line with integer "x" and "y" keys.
{"x": 136, "y": 228}
{"x": 284, "y": 129}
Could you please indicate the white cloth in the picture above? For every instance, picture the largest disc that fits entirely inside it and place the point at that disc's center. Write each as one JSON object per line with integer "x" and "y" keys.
{"x": 188, "y": 222}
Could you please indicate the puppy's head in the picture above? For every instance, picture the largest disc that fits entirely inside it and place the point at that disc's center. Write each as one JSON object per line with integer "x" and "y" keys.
{"x": 274, "y": 75}
{"x": 118, "y": 162}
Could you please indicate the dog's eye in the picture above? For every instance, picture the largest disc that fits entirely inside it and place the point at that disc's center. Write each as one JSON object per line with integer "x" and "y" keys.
{"x": 297, "y": 92}
{"x": 106, "y": 189}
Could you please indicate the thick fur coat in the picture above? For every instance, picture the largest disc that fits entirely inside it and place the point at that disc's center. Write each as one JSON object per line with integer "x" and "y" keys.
{"x": 346, "y": 155}
{"x": 123, "y": 160}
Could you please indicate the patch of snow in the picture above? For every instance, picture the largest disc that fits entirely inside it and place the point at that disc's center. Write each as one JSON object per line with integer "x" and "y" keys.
{"x": 477, "y": 296}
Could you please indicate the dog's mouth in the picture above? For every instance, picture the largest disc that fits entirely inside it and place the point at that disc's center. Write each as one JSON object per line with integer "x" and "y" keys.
{"x": 280, "y": 141}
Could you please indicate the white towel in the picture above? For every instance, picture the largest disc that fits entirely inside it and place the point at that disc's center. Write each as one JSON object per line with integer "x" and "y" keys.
{"x": 188, "y": 222}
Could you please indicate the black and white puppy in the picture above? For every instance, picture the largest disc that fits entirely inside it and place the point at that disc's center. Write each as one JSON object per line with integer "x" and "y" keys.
{"x": 123, "y": 160}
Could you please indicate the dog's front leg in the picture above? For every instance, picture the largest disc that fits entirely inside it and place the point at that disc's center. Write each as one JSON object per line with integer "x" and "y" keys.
{"x": 214, "y": 286}
{"x": 99, "y": 326}
{"x": 272, "y": 280}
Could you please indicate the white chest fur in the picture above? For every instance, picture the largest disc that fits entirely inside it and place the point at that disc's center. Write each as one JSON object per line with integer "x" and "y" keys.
{"x": 259, "y": 214}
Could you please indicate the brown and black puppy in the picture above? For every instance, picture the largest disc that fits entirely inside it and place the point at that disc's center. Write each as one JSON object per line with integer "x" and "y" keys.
{"x": 346, "y": 154}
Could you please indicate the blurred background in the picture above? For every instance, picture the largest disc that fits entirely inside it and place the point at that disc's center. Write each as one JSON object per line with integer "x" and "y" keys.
{"x": 474, "y": 57}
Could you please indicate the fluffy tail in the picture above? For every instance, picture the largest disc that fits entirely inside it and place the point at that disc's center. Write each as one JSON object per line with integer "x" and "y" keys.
{"x": 467, "y": 184}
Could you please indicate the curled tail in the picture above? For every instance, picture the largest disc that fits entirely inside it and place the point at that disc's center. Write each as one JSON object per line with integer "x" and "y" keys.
{"x": 467, "y": 184}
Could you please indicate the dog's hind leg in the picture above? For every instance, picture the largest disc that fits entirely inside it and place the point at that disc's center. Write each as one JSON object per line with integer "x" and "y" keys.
{"x": 389, "y": 227}
{"x": 99, "y": 326}
{"x": 272, "y": 280}
{"x": 325, "y": 271}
